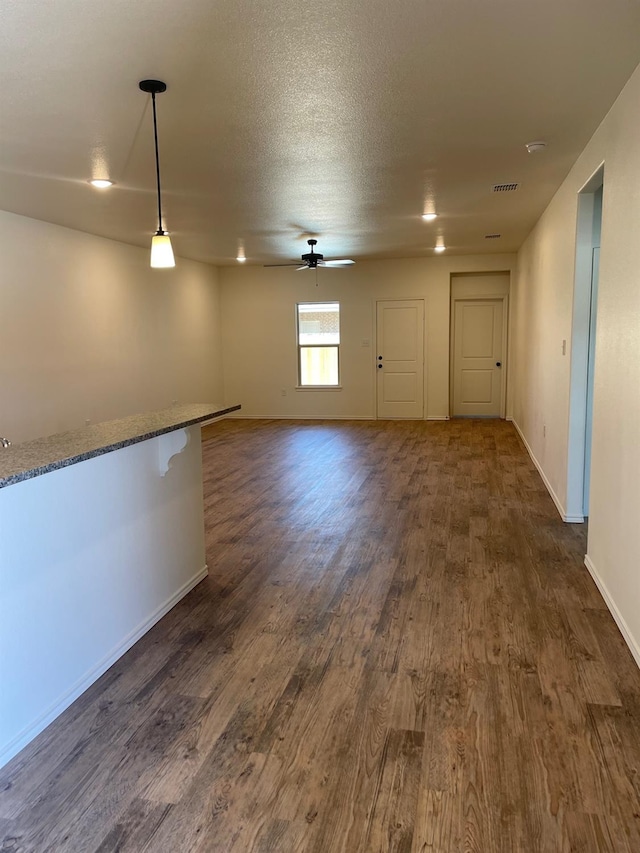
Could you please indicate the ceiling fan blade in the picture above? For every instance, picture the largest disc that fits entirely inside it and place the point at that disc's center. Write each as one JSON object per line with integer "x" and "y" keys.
{"x": 341, "y": 262}
{"x": 305, "y": 267}
{"x": 293, "y": 264}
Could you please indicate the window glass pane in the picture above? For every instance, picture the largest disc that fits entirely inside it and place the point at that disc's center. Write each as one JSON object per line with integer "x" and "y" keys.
{"x": 318, "y": 365}
{"x": 318, "y": 323}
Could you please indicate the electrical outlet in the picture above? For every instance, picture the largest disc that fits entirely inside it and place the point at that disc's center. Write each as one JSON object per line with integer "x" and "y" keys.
{"x": 87, "y": 421}
{"x": 564, "y": 347}
{"x": 283, "y": 392}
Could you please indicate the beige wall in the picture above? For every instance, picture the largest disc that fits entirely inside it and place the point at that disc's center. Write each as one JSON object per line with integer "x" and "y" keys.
{"x": 542, "y": 317}
{"x": 88, "y": 330}
{"x": 259, "y": 342}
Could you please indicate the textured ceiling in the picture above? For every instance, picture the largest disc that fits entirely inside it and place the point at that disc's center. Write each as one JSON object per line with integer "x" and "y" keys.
{"x": 288, "y": 118}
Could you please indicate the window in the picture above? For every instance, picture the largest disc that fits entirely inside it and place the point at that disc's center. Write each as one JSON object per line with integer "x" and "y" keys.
{"x": 318, "y": 343}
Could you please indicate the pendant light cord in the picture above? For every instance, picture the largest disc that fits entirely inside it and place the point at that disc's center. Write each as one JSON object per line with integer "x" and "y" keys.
{"x": 155, "y": 139}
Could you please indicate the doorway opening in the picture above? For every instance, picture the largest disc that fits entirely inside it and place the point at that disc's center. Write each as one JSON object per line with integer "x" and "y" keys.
{"x": 583, "y": 346}
{"x": 479, "y": 328}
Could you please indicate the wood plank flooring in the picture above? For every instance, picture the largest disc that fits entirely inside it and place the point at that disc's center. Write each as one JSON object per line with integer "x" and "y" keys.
{"x": 398, "y": 648}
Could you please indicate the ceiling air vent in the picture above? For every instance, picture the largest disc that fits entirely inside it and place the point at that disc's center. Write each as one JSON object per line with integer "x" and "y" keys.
{"x": 492, "y": 236}
{"x": 505, "y": 188}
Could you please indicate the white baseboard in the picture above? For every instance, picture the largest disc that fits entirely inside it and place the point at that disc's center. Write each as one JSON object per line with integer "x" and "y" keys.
{"x": 241, "y": 417}
{"x": 33, "y": 729}
{"x": 630, "y": 640}
{"x": 571, "y": 519}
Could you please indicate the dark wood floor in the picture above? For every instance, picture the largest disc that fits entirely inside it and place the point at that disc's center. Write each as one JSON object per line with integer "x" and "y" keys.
{"x": 398, "y": 649}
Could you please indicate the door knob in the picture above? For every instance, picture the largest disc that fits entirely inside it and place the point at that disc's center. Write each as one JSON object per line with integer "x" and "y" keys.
{"x": 379, "y": 358}
{"x": 379, "y": 367}
{"x": 498, "y": 364}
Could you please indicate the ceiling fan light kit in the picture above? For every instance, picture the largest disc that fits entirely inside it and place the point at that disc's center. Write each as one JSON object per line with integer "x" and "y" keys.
{"x": 161, "y": 249}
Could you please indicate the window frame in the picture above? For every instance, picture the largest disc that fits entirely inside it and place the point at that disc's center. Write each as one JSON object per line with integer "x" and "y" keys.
{"x": 308, "y": 387}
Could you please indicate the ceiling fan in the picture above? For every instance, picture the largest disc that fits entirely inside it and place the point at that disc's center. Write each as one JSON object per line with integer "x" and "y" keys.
{"x": 312, "y": 260}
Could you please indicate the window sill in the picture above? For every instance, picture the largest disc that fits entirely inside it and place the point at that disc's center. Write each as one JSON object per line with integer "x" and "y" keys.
{"x": 318, "y": 388}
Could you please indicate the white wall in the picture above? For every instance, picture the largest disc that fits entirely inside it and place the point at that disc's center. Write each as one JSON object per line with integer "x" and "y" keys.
{"x": 259, "y": 340}
{"x": 483, "y": 286}
{"x": 88, "y": 330}
{"x": 542, "y": 317}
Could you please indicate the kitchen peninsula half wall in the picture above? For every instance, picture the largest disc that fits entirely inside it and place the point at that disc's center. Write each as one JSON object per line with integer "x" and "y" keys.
{"x": 101, "y": 534}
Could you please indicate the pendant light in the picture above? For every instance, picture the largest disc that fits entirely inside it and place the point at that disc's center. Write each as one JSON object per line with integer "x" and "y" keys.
{"x": 161, "y": 251}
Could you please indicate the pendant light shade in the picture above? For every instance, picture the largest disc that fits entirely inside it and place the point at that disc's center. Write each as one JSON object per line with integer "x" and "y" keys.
{"x": 161, "y": 251}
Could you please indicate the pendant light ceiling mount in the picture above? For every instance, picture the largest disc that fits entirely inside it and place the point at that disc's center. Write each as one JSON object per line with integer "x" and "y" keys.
{"x": 161, "y": 251}
{"x": 153, "y": 87}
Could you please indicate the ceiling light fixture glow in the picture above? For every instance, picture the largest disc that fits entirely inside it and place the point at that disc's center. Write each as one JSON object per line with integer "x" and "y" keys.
{"x": 429, "y": 217}
{"x": 101, "y": 183}
{"x": 439, "y": 248}
{"x": 161, "y": 250}
{"x": 241, "y": 259}
{"x": 535, "y": 147}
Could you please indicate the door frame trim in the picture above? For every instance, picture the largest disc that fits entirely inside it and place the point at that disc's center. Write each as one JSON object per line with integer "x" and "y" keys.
{"x": 498, "y": 297}
{"x": 579, "y": 344}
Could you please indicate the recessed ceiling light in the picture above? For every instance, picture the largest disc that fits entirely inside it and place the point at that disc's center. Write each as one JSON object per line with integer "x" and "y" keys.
{"x": 535, "y": 147}
{"x": 241, "y": 259}
{"x": 429, "y": 217}
{"x": 439, "y": 248}
{"x": 101, "y": 183}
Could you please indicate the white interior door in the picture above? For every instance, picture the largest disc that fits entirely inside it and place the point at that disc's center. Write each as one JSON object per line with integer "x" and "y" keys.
{"x": 478, "y": 363}
{"x": 400, "y": 358}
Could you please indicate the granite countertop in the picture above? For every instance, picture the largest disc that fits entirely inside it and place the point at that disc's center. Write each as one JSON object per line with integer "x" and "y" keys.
{"x": 42, "y": 455}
